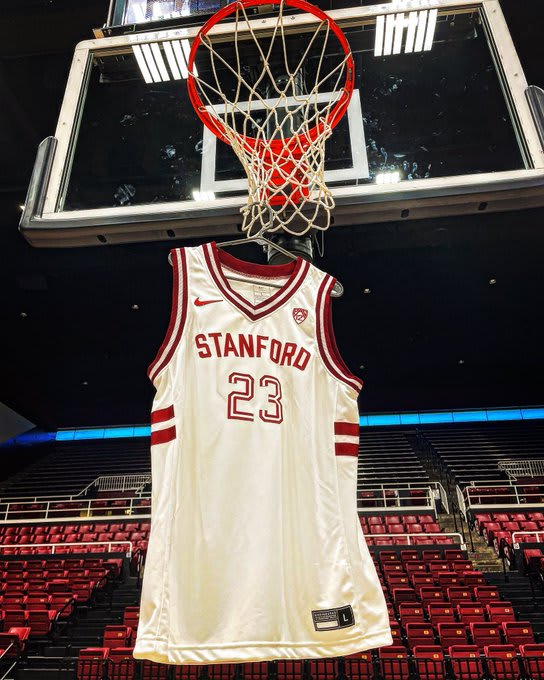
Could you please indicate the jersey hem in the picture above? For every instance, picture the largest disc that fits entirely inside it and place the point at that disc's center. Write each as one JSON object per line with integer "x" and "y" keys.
{"x": 161, "y": 652}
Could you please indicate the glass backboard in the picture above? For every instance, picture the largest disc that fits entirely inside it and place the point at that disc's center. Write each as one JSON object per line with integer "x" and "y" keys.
{"x": 439, "y": 124}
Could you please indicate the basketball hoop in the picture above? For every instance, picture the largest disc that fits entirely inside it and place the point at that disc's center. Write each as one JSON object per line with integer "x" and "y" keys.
{"x": 264, "y": 107}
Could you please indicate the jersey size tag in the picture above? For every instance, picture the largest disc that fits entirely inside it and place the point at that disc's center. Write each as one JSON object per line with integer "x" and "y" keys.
{"x": 329, "y": 619}
{"x": 261, "y": 293}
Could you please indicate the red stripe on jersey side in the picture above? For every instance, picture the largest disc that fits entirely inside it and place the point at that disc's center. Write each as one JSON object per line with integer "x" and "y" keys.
{"x": 346, "y": 449}
{"x": 349, "y": 429}
{"x": 163, "y": 436}
{"x": 161, "y": 415}
{"x": 326, "y": 340}
{"x": 298, "y": 271}
{"x": 178, "y": 314}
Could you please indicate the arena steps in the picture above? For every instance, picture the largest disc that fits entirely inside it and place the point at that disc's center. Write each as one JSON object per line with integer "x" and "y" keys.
{"x": 517, "y": 590}
{"x": 57, "y": 660}
{"x": 483, "y": 556}
{"x": 71, "y": 466}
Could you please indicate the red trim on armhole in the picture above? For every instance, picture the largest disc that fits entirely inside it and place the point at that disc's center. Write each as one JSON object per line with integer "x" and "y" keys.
{"x": 178, "y": 314}
{"x": 326, "y": 340}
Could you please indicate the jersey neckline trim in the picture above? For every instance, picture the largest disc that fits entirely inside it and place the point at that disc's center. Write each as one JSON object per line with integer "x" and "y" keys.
{"x": 296, "y": 271}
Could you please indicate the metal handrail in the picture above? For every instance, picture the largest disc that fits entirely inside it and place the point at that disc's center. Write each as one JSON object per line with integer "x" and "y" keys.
{"x": 123, "y": 481}
{"x": 522, "y": 468}
{"x": 517, "y": 498}
{"x": 490, "y": 482}
{"x": 526, "y": 533}
{"x": 88, "y": 506}
{"x": 422, "y": 535}
{"x": 380, "y": 495}
{"x": 461, "y": 501}
{"x": 63, "y": 544}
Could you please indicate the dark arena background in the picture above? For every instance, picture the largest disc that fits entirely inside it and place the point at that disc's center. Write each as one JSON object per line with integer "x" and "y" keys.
{"x": 441, "y": 317}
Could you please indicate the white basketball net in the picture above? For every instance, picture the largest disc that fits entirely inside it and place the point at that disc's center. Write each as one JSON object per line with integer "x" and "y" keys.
{"x": 277, "y": 126}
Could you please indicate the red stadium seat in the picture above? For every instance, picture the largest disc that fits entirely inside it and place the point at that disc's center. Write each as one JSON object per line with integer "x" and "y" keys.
{"x": 518, "y": 633}
{"x": 90, "y": 664}
{"x": 440, "y": 613}
{"x": 395, "y": 632}
{"x": 419, "y": 634}
{"x": 452, "y": 634}
{"x": 458, "y": 594}
{"x": 498, "y": 612}
{"x": 429, "y": 662}
{"x": 534, "y": 660}
{"x": 422, "y": 579}
{"x": 454, "y": 555}
{"x": 319, "y": 668}
{"x": 404, "y": 595}
{"x": 40, "y": 622}
{"x": 392, "y": 519}
{"x": 473, "y": 578}
{"x": 415, "y": 568}
{"x": 502, "y": 662}
{"x": 154, "y": 671}
{"x": 465, "y": 662}
{"x": 485, "y": 634}
{"x": 356, "y": 666}
{"x": 10, "y": 645}
{"x": 131, "y": 617}
{"x": 15, "y": 618}
{"x": 448, "y": 578}
{"x": 411, "y": 613}
{"x": 430, "y": 594}
{"x": 288, "y": 670}
{"x": 117, "y": 636}
{"x": 394, "y": 662}
{"x": 121, "y": 664}
{"x": 486, "y": 594}
{"x": 471, "y": 612}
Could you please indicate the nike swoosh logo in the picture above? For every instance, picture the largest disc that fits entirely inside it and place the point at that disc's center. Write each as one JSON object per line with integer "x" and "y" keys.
{"x": 202, "y": 303}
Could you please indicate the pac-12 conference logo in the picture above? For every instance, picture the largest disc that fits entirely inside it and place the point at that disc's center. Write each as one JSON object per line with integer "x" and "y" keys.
{"x": 299, "y": 315}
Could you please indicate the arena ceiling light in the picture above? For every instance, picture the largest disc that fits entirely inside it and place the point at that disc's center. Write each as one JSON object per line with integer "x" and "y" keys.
{"x": 414, "y": 30}
{"x": 152, "y": 65}
{"x": 387, "y": 178}
{"x": 203, "y": 195}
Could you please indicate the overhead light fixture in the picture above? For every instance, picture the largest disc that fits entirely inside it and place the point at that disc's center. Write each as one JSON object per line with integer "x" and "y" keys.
{"x": 399, "y": 33}
{"x": 389, "y": 32}
{"x": 159, "y": 61}
{"x": 378, "y": 44}
{"x": 148, "y": 55}
{"x": 153, "y": 66}
{"x": 203, "y": 195}
{"x": 140, "y": 59}
{"x": 431, "y": 27}
{"x": 416, "y": 30}
{"x": 171, "y": 60}
{"x": 180, "y": 59}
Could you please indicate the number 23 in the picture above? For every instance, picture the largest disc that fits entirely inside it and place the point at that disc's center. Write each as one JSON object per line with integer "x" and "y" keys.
{"x": 272, "y": 414}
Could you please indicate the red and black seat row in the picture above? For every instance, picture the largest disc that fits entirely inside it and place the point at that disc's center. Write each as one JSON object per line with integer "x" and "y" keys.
{"x": 495, "y": 527}
{"x": 32, "y": 540}
{"x": 67, "y": 508}
{"x": 36, "y": 593}
{"x": 426, "y": 662}
{"x": 399, "y": 524}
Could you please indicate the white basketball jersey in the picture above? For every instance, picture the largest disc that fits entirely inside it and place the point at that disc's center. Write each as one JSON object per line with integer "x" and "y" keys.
{"x": 256, "y": 552}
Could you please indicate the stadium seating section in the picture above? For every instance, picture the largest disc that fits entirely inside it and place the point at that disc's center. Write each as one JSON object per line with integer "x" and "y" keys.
{"x": 70, "y": 565}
